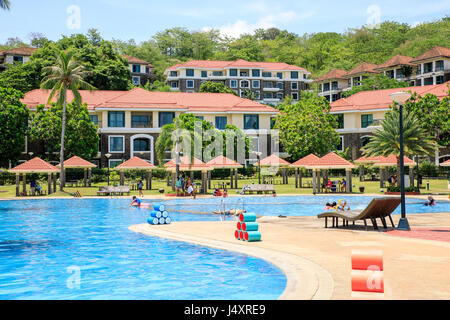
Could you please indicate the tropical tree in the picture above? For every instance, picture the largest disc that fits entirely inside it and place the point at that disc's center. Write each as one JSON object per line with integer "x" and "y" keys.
{"x": 4, "y": 4}
{"x": 65, "y": 75}
{"x": 386, "y": 141}
{"x": 215, "y": 87}
{"x": 376, "y": 82}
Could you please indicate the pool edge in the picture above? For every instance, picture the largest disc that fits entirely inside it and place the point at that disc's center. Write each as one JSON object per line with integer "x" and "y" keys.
{"x": 305, "y": 280}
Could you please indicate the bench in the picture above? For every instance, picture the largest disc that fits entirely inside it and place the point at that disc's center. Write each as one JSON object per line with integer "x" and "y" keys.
{"x": 258, "y": 188}
{"x": 121, "y": 190}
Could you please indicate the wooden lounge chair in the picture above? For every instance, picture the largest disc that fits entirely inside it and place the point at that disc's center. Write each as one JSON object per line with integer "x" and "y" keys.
{"x": 377, "y": 208}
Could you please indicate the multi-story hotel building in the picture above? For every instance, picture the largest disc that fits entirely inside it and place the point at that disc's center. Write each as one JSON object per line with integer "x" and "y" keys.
{"x": 141, "y": 71}
{"x": 270, "y": 82}
{"x": 360, "y": 115}
{"x": 430, "y": 68}
{"x": 130, "y": 121}
{"x": 18, "y": 55}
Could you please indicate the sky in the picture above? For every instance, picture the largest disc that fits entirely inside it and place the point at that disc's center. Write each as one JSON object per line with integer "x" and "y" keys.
{"x": 141, "y": 19}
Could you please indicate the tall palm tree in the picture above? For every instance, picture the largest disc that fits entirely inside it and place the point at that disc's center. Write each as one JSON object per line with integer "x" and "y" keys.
{"x": 386, "y": 141}
{"x": 5, "y": 4}
{"x": 66, "y": 74}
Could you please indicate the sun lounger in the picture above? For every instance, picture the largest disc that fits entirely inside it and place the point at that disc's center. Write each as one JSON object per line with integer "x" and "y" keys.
{"x": 378, "y": 208}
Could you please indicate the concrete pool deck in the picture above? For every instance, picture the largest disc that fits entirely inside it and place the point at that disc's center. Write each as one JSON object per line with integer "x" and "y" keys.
{"x": 316, "y": 261}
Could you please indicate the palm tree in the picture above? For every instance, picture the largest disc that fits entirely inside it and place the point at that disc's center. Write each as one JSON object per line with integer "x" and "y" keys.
{"x": 66, "y": 74}
{"x": 4, "y": 4}
{"x": 386, "y": 141}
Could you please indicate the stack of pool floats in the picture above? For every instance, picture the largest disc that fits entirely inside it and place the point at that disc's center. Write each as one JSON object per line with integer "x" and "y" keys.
{"x": 247, "y": 228}
{"x": 159, "y": 215}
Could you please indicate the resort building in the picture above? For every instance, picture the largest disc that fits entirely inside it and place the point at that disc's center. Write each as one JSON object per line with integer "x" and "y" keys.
{"x": 358, "y": 74}
{"x": 399, "y": 67}
{"x": 269, "y": 82}
{"x": 332, "y": 84}
{"x": 432, "y": 67}
{"x": 130, "y": 121}
{"x": 141, "y": 71}
{"x": 18, "y": 55}
{"x": 360, "y": 115}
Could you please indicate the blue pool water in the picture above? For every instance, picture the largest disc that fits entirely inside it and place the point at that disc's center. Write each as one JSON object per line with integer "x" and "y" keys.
{"x": 294, "y": 205}
{"x": 46, "y": 246}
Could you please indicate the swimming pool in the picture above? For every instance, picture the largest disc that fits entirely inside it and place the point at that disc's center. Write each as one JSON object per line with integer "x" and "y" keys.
{"x": 293, "y": 205}
{"x": 83, "y": 249}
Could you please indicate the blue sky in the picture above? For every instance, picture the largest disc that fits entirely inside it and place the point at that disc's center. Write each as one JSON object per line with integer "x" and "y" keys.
{"x": 140, "y": 19}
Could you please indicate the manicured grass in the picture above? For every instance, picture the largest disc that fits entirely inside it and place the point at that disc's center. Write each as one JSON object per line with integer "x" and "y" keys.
{"x": 436, "y": 187}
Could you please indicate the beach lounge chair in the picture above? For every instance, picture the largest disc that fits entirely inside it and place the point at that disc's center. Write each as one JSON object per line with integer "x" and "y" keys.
{"x": 378, "y": 208}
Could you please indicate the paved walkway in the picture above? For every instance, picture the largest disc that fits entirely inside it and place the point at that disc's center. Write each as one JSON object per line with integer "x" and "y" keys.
{"x": 437, "y": 234}
{"x": 413, "y": 268}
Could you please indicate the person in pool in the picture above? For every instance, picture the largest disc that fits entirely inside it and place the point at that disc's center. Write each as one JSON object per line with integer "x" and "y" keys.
{"x": 330, "y": 205}
{"x": 343, "y": 206}
{"x": 430, "y": 201}
{"x": 136, "y": 202}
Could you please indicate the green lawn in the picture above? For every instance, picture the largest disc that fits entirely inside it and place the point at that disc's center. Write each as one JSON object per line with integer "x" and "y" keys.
{"x": 436, "y": 187}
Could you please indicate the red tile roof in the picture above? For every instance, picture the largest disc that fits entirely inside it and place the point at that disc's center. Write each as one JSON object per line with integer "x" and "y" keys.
{"x": 223, "y": 162}
{"x": 364, "y": 67}
{"x": 369, "y": 159}
{"x": 187, "y": 165}
{"x": 334, "y": 74}
{"x": 214, "y": 64}
{"x": 142, "y": 99}
{"x": 77, "y": 162}
{"x": 272, "y": 160}
{"x": 22, "y": 51}
{"x": 331, "y": 161}
{"x": 35, "y": 165}
{"x": 135, "y": 60}
{"x": 397, "y": 60}
{"x": 445, "y": 163}
{"x": 135, "y": 163}
{"x": 434, "y": 52}
{"x": 380, "y": 99}
{"x": 309, "y": 159}
{"x": 392, "y": 161}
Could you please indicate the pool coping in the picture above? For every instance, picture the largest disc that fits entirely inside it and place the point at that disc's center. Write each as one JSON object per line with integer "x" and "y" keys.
{"x": 306, "y": 280}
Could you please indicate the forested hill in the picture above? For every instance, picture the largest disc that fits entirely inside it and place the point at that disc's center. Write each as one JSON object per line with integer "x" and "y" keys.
{"x": 318, "y": 52}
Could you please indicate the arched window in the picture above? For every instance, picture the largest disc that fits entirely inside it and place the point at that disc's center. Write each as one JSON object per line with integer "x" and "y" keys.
{"x": 141, "y": 145}
{"x": 365, "y": 140}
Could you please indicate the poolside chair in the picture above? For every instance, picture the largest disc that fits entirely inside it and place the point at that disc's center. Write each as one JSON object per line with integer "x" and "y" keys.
{"x": 377, "y": 208}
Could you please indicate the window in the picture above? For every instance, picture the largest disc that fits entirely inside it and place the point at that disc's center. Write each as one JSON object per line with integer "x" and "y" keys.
{"x": 174, "y": 85}
{"x": 419, "y": 69}
{"x": 94, "y": 119}
{"x": 256, "y": 73}
{"x": 147, "y": 70}
{"x": 233, "y": 83}
{"x": 136, "y": 68}
{"x": 173, "y": 73}
{"x": 257, "y": 95}
{"x": 326, "y": 87}
{"x": 114, "y": 163}
{"x": 116, "y": 119}
{"x": 428, "y": 81}
{"x": 294, "y": 95}
{"x": 268, "y": 95}
{"x": 255, "y": 83}
{"x": 340, "y": 145}
{"x": 294, "y": 74}
{"x": 334, "y": 85}
{"x": 136, "y": 81}
{"x": 390, "y": 74}
{"x": 364, "y": 141}
{"x": 141, "y": 145}
{"x": 189, "y": 72}
{"x": 439, "y": 65}
{"x": 273, "y": 121}
{"x": 335, "y": 97}
{"x": 399, "y": 73}
{"x": 218, "y": 73}
{"x": 251, "y": 121}
{"x": 233, "y": 72}
{"x": 304, "y": 76}
{"x": 139, "y": 121}
{"x": 190, "y": 84}
{"x": 18, "y": 59}
{"x": 280, "y": 85}
{"x": 267, "y": 74}
{"x": 280, "y": 95}
{"x": 245, "y": 84}
{"x": 280, "y": 75}
{"x": 418, "y": 82}
{"x": 366, "y": 120}
{"x": 204, "y": 74}
{"x": 356, "y": 81}
{"x": 294, "y": 85}
{"x": 166, "y": 118}
{"x": 439, "y": 79}
{"x": 268, "y": 85}
{"x": 116, "y": 144}
{"x": 428, "y": 67}
{"x": 201, "y": 118}
{"x": 243, "y": 74}
{"x": 221, "y": 122}
{"x": 340, "y": 120}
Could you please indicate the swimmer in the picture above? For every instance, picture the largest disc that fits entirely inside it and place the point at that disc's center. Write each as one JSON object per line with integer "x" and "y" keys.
{"x": 136, "y": 202}
{"x": 430, "y": 201}
{"x": 342, "y": 205}
{"x": 330, "y": 205}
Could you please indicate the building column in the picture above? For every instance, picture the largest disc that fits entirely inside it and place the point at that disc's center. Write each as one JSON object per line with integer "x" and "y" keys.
{"x": 49, "y": 183}
{"x": 122, "y": 177}
{"x": 209, "y": 179}
{"x": 54, "y": 178}
{"x": 168, "y": 178}
{"x": 231, "y": 177}
{"x": 361, "y": 173}
{"x": 89, "y": 177}
{"x": 24, "y": 184}
{"x": 300, "y": 175}
{"x": 286, "y": 173}
{"x": 411, "y": 176}
{"x": 296, "y": 178}
{"x": 85, "y": 178}
{"x": 382, "y": 177}
{"x": 348, "y": 173}
{"x": 204, "y": 183}
{"x": 149, "y": 179}
{"x": 173, "y": 181}
{"x": 236, "y": 178}
{"x": 314, "y": 181}
{"x": 17, "y": 184}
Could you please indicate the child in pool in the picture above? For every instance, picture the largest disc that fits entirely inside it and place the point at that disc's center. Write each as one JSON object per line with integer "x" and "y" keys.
{"x": 330, "y": 206}
{"x": 136, "y": 202}
{"x": 343, "y": 206}
{"x": 430, "y": 202}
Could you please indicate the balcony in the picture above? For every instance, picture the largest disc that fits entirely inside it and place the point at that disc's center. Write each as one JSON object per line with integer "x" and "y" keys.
{"x": 271, "y": 89}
